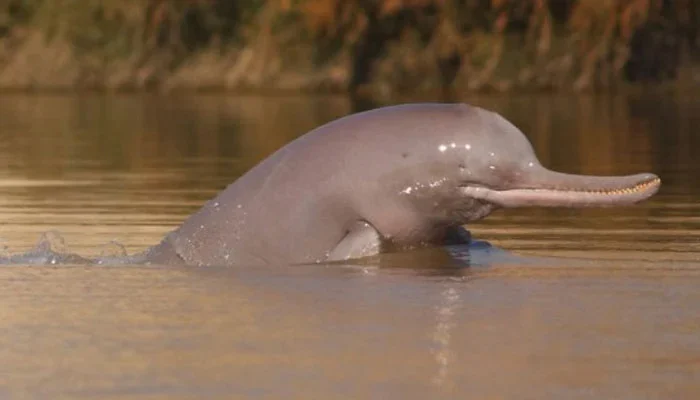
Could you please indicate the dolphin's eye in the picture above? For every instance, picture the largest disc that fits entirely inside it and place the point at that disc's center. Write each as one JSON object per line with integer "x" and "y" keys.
{"x": 474, "y": 184}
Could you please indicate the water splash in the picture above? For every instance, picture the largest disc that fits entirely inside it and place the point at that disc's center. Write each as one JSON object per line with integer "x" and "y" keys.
{"x": 113, "y": 249}
{"x": 51, "y": 249}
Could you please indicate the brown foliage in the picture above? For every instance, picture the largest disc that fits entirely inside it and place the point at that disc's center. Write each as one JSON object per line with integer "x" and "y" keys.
{"x": 464, "y": 43}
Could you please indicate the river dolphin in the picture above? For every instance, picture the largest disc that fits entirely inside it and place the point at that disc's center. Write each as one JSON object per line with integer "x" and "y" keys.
{"x": 394, "y": 177}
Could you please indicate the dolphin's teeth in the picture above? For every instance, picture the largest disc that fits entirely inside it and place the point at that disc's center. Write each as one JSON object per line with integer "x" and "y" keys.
{"x": 607, "y": 192}
{"x": 622, "y": 191}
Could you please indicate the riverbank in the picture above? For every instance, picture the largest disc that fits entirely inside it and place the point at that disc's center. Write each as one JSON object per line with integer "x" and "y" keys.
{"x": 345, "y": 47}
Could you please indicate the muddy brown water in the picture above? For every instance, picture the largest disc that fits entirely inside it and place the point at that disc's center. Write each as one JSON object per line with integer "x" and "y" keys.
{"x": 616, "y": 317}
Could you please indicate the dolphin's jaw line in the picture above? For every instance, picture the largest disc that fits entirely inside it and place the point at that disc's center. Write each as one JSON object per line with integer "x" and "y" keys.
{"x": 564, "y": 197}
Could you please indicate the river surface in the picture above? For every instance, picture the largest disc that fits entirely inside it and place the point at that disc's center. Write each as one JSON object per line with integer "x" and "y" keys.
{"x": 616, "y": 315}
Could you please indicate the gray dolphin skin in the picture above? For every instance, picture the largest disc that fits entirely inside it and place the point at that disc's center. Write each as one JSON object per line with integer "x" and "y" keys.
{"x": 394, "y": 177}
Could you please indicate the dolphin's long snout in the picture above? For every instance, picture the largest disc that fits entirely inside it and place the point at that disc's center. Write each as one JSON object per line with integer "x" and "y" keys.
{"x": 555, "y": 189}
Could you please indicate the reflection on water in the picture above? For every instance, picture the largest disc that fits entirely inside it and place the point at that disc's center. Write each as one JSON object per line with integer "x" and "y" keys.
{"x": 616, "y": 315}
{"x": 443, "y": 327}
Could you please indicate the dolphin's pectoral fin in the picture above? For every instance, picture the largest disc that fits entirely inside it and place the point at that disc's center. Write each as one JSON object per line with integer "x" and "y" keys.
{"x": 362, "y": 240}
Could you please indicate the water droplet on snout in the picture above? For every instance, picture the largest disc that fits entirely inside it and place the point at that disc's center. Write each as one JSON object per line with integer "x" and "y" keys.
{"x": 531, "y": 164}
{"x": 239, "y": 206}
{"x": 437, "y": 183}
{"x": 369, "y": 271}
{"x": 492, "y": 167}
{"x": 442, "y": 148}
{"x": 468, "y": 146}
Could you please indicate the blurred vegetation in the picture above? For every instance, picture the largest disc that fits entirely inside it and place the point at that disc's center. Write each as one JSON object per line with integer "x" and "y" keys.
{"x": 385, "y": 46}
